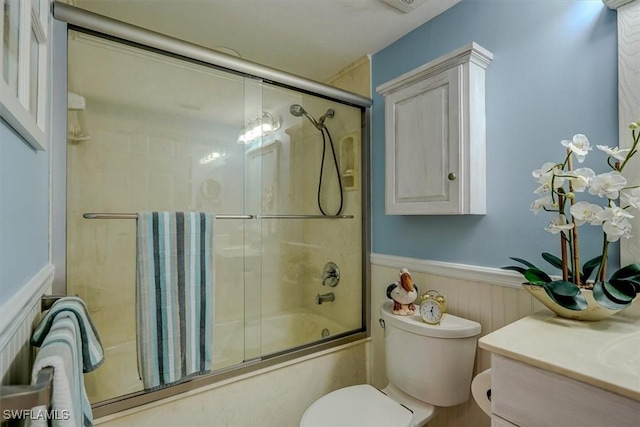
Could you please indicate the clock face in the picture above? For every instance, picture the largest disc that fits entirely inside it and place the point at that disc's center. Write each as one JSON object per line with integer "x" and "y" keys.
{"x": 431, "y": 312}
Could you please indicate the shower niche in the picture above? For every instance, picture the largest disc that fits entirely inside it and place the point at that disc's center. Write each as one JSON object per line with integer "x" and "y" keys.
{"x": 186, "y": 147}
{"x": 350, "y": 161}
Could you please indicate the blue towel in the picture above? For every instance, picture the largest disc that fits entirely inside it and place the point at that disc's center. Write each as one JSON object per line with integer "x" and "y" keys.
{"x": 61, "y": 349}
{"x": 174, "y": 303}
{"x": 92, "y": 352}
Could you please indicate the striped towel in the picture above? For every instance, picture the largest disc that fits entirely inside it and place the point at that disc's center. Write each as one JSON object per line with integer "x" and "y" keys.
{"x": 61, "y": 350}
{"x": 174, "y": 296}
{"x": 92, "y": 352}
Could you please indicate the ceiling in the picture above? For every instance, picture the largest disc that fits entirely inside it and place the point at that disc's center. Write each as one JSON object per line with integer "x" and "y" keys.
{"x": 311, "y": 38}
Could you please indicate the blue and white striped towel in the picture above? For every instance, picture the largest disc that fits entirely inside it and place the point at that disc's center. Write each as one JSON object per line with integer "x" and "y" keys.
{"x": 92, "y": 353}
{"x": 174, "y": 296}
{"x": 61, "y": 350}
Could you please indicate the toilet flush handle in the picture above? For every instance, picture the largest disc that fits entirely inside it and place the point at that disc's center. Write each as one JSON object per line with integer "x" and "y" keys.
{"x": 381, "y": 323}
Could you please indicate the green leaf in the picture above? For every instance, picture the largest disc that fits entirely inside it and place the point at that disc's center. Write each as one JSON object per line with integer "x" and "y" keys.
{"x": 566, "y": 294}
{"x": 631, "y": 271}
{"x": 523, "y": 261}
{"x": 589, "y": 266}
{"x": 553, "y": 260}
{"x": 537, "y": 277}
{"x": 620, "y": 291}
{"x": 601, "y": 297}
{"x": 563, "y": 288}
{"x": 635, "y": 283}
{"x": 520, "y": 270}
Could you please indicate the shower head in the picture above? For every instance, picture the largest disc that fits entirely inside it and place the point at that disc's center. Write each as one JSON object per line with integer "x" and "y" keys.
{"x": 297, "y": 111}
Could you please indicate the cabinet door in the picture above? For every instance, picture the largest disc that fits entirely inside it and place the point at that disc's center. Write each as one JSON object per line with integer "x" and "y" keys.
{"x": 422, "y": 146}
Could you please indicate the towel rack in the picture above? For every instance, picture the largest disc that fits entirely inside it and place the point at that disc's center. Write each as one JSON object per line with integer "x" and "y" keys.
{"x": 304, "y": 216}
{"x": 93, "y": 215}
{"x": 16, "y": 398}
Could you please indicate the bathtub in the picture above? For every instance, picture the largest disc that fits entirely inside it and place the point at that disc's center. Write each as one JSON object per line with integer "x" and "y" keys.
{"x": 234, "y": 342}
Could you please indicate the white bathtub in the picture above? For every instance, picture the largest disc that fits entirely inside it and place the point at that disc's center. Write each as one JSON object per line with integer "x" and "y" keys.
{"x": 119, "y": 373}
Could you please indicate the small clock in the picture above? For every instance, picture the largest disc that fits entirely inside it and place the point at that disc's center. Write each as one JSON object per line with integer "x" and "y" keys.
{"x": 432, "y": 307}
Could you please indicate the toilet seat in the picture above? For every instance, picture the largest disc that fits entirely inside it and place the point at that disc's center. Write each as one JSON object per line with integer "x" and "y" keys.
{"x": 359, "y": 405}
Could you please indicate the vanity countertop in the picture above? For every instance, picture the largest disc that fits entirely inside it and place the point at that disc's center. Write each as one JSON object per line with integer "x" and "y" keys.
{"x": 605, "y": 353}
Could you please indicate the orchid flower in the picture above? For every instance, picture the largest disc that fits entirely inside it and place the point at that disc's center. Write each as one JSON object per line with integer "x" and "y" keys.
{"x": 615, "y": 222}
{"x": 558, "y": 224}
{"x": 613, "y": 212}
{"x": 608, "y": 185}
{"x": 546, "y": 176}
{"x": 616, "y": 228}
{"x": 631, "y": 197}
{"x": 569, "y": 213}
{"x": 615, "y": 152}
{"x": 579, "y": 146}
{"x": 580, "y": 178}
{"x": 543, "y": 202}
{"x": 584, "y": 212}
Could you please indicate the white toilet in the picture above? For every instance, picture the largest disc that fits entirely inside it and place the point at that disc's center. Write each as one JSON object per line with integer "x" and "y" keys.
{"x": 427, "y": 366}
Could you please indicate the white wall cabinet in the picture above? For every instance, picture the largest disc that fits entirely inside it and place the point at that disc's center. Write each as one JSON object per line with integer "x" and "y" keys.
{"x": 435, "y": 136}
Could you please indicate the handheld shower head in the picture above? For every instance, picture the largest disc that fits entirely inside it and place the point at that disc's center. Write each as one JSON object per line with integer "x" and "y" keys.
{"x": 297, "y": 111}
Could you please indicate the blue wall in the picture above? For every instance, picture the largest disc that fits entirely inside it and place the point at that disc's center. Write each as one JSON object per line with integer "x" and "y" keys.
{"x": 24, "y": 211}
{"x": 554, "y": 74}
{"x": 24, "y": 185}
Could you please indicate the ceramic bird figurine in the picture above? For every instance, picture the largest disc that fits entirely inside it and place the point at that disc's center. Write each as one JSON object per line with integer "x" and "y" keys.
{"x": 403, "y": 294}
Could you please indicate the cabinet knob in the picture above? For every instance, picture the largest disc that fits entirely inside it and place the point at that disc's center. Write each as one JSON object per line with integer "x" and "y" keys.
{"x": 452, "y": 176}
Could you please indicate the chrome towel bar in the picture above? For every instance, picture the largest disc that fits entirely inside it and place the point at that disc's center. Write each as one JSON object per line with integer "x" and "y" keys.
{"x": 135, "y": 216}
{"x": 91, "y": 215}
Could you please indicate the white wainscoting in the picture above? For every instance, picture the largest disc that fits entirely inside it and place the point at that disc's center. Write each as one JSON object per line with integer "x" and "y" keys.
{"x": 17, "y": 322}
{"x": 490, "y": 296}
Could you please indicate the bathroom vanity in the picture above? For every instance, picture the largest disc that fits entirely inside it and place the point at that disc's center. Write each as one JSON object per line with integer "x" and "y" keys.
{"x": 550, "y": 371}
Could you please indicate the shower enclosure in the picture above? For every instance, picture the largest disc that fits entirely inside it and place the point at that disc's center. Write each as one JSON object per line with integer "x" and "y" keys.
{"x": 152, "y": 131}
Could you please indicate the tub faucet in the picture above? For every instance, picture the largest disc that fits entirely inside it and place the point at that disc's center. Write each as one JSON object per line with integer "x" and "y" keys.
{"x": 325, "y": 297}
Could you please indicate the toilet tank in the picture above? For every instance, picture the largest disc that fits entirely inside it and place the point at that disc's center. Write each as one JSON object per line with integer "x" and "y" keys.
{"x": 433, "y": 363}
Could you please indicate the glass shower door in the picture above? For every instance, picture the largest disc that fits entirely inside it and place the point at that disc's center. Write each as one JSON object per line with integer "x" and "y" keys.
{"x": 149, "y": 132}
{"x": 298, "y": 177}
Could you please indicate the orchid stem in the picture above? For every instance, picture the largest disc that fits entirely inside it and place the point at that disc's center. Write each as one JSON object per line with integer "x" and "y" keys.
{"x": 573, "y": 243}
{"x": 602, "y": 270}
{"x": 563, "y": 244}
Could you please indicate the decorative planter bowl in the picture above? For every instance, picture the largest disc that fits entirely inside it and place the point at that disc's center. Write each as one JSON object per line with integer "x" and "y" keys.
{"x": 593, "y": 312}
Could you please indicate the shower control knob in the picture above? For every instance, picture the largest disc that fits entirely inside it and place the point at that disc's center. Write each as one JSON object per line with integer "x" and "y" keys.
{"x": 452, "y": 176}
{"x": 331, "y": 275}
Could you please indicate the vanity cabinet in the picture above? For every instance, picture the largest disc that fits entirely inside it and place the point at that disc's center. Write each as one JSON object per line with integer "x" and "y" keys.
{"x": 526, "y": 396}
{"x": 550, "y": 371}
{"x": 435, "y": 136}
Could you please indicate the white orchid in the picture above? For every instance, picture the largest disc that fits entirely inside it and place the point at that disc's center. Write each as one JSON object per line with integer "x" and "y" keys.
{"x": 584, "y": 212}
{"x": 616, "y": 228}
{"x": 631, "y": 197}
{"x": 580, "y": 178}
{"x": 608, "y": 185}
{"x": 615, "y": 222}
{"x": 579, "y": 146}
{"x": 615, "y": 152}
{"x": 569, "y": 213}
{"x": 611, "y": 212}
{"x": 558, "y": 224}
{"x": 543, "y": 202}
{"x": 547, "y": 175}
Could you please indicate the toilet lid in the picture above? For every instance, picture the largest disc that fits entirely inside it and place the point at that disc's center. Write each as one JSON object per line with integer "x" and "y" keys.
{"x": 360, "y": 405}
